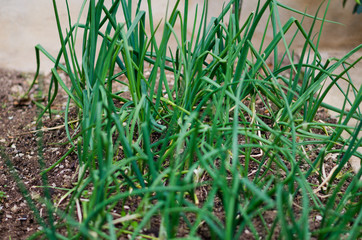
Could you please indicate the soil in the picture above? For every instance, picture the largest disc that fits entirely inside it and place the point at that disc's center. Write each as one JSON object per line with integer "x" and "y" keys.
{"x": 19, "y": 156}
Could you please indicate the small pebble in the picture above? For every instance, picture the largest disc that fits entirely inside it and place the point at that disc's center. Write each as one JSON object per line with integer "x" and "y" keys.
{"x": 14, "y": 208}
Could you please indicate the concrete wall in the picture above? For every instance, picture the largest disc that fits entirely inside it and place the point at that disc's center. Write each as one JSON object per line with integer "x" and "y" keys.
{"x": 25, "y": 23}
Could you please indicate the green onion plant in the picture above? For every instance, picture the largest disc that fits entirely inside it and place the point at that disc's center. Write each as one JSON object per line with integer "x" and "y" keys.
{"x": 208, "y": 115}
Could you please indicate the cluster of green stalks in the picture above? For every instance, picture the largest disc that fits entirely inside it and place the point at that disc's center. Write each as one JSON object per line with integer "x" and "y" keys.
{"x": 202, "y": 129}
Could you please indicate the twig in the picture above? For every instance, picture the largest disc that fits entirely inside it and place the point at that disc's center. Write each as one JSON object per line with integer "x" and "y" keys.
{"x": 45, "y": 129}
{"x": 326, "y": 180}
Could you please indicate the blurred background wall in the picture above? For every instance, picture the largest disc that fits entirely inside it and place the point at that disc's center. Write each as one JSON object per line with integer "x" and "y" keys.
{"x": 25, "y": 23}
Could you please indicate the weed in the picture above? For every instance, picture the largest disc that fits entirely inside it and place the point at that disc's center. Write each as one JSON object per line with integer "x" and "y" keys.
{"x": 2, "y": 196}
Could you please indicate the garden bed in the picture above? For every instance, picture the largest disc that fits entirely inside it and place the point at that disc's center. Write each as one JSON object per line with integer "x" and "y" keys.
{"x": 216, "y": 138}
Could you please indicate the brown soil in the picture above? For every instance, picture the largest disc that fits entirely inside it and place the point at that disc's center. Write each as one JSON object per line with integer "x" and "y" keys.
{"x": 19, "y": 144}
